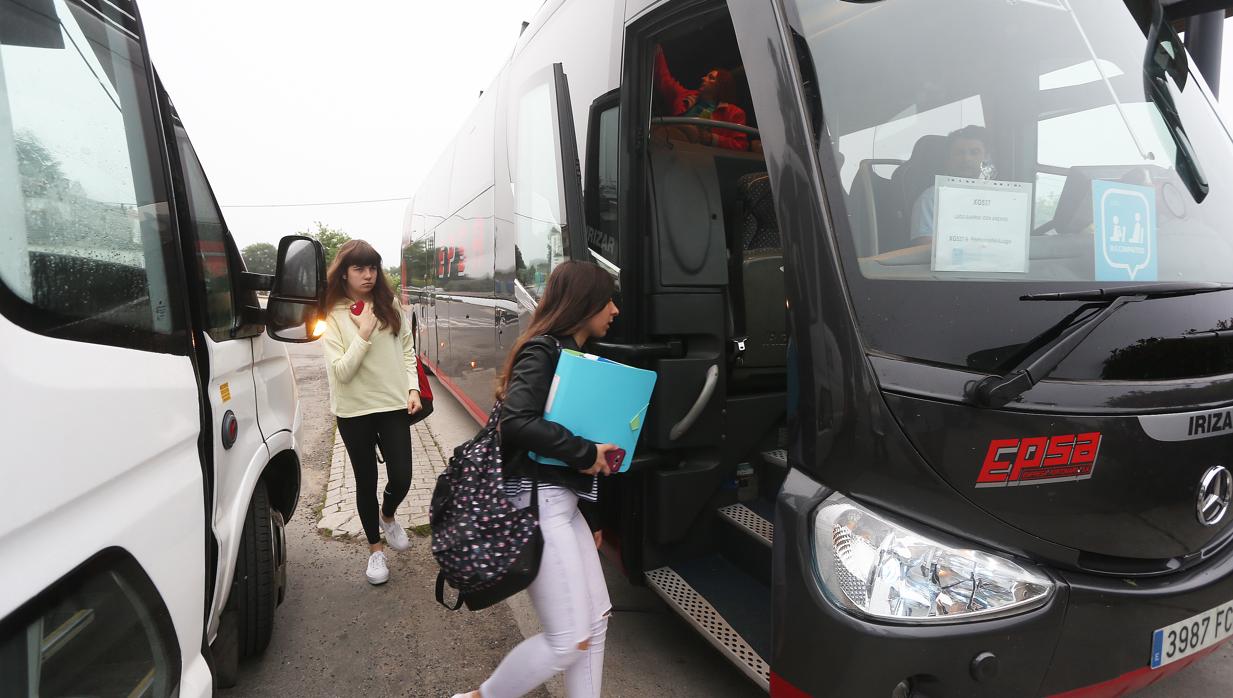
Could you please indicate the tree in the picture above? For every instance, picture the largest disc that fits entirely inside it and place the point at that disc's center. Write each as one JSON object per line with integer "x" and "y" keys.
{"x": 260, "y": 257}
{"x": 330, "y": 238}
{"x": 394, "y": 276}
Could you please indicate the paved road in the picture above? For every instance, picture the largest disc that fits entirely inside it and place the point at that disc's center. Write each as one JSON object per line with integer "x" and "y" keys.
{"x": 337, "y": 636}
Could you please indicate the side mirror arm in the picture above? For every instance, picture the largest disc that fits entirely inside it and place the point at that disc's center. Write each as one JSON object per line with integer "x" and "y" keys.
{"x": 256, "y": 282}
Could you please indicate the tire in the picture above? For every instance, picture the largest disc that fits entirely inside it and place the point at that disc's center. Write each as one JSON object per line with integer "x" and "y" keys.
{"x": 254, "y": 589}
{"x": 226, "y": 652}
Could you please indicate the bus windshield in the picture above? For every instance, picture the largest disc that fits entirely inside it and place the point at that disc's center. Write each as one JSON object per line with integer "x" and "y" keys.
{"x": 990, "y": 149}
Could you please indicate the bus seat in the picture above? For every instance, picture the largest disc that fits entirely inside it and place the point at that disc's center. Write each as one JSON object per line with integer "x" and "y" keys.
{"x": 766, "y": 313}
{"x": 759, "y": 229}
{"x": 910, "y": 180}
{"x": 757, "y": 294}
{"x": 872, "y": 206}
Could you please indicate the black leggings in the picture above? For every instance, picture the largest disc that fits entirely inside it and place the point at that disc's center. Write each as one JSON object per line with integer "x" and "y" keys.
{"x": 360, "y": 435}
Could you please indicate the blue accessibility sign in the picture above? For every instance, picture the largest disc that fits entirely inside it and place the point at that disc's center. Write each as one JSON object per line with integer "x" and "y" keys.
{"x": 1124, "y": 216}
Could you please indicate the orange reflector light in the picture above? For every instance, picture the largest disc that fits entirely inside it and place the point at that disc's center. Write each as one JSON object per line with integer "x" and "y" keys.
{"x": 319, "y": 329}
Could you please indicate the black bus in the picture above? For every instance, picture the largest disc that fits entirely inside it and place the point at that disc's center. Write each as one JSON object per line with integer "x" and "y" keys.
{"x": 940, "y": 299}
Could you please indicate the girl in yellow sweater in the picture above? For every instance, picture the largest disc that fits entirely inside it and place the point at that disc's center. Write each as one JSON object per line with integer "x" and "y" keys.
{"x": 374, "y": 386}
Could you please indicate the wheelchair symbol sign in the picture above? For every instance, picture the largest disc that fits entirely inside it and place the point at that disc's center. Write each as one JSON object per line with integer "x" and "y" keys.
{"x": 1125, "y": 231}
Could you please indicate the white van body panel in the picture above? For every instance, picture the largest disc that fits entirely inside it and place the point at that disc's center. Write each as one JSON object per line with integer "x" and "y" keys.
{"x": 266, "y": 367}
{"x": 278, "y": 397}
{"x": 101, "y": 451}
{"x": 236, "y": 469}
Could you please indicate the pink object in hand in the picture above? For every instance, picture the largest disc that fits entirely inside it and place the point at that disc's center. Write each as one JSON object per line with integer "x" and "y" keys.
{"x": 614, "y": 458}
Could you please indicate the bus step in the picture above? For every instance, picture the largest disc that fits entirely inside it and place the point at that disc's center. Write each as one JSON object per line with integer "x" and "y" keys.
{"x": 750, "y": 522}
{"x": 777, "y": 457}
{"x": 729, "y": 608}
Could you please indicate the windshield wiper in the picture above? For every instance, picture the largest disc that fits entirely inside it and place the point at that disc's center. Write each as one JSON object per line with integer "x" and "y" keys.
{"x": 996, "y": 391}
{"x": 1165, "y": 52}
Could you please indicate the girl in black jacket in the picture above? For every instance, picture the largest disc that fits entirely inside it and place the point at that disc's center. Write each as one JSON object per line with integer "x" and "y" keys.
{"x": 569, "y": 593}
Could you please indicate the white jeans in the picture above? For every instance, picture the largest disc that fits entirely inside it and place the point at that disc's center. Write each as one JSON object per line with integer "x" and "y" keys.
{"x": 571, "y": 599}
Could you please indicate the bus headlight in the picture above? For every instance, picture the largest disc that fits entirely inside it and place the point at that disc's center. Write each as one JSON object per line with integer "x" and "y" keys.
{"x": 873, "y": 567}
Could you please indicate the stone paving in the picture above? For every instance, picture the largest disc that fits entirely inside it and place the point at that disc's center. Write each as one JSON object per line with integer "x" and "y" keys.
{"x": 339, "y": 516}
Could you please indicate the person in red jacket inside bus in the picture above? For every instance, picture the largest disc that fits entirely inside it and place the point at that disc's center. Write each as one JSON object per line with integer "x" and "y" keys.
{"x": 712, "y": 100}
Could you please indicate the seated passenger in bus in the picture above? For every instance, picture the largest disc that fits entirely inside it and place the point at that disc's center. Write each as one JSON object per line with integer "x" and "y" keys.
{"x": 966, "y": 156}
{"x": 712, "y": 100}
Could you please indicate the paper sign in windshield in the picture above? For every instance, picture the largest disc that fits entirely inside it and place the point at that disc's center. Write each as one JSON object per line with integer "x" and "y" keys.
{"x": 1124, "y": 216}
{"x": 981, "y": 225}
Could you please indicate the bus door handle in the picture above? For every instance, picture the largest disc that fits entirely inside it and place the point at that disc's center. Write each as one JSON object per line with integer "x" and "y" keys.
{"x": 671, "y": 349}
{"x": 708, "y": 390}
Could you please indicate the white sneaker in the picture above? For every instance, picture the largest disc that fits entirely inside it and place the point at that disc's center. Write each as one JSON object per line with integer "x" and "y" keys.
{"x": 378, "y": 572}
{"x": 395, "y": 535}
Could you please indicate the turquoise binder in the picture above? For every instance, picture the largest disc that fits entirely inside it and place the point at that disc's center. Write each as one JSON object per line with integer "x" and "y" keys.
{"x": 600, "y": 400}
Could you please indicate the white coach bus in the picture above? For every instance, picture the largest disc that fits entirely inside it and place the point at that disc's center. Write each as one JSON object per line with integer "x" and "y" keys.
{"x": 149, "y": 426}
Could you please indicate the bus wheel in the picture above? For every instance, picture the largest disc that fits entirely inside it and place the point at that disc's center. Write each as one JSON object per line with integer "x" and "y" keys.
{"x": 254, "y": 589}
{"x": 278, "y": 526}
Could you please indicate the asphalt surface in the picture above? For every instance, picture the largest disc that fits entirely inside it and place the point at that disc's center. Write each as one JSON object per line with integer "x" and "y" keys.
{"x": 335, "y": 635}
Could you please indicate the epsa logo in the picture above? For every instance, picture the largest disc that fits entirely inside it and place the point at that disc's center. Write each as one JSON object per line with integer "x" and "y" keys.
{"x": 1039, "y": 459}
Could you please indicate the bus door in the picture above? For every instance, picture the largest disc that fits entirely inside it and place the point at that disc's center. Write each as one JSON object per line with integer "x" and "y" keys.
{"x": 676, "y": 160}
{"x": 539, "y": 213}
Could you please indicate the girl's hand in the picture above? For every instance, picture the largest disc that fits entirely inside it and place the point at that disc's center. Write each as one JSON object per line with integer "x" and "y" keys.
{"x": 366, "y": 321}
{"x": 601, "y": 462}
{"x": 413, "y": 402}
{"x": 599, "y": 538}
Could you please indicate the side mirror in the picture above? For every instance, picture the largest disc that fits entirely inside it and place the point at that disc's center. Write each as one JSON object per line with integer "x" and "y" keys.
{"x": 298, "y": 290}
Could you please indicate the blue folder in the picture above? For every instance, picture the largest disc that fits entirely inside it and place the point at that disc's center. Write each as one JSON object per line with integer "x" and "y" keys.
{"x": 600, "y": 400}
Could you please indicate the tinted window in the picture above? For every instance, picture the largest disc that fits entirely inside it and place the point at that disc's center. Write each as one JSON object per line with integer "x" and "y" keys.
{"x": 103, "y": 631}
{"x": 211, "y": 242}
{"x": 85, "y": 246}
{"x": 602, "y": 227}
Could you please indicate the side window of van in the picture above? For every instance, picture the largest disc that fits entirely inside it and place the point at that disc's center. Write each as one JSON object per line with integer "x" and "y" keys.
{"x": 212, "y": 245}
{"x": 538, "y": 198}
{"x": 103, "y": 630}
{"x": 86, "y": 251}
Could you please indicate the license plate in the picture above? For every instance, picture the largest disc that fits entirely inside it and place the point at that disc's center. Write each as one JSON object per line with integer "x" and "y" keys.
{"x": 1195, "y": 634}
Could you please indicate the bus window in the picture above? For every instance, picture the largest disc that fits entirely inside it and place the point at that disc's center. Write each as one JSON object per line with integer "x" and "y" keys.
{"x": 88, "y": 259}
{"x": 603, "y": 189}
{"x": 102, "y": 631}
{"x": 538, "y": 246}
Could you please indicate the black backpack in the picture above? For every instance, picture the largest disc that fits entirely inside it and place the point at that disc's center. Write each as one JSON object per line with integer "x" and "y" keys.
{"x": 487, "y": 548}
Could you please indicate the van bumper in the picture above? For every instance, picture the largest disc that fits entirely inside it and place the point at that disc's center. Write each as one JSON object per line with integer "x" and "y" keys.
{"x": 1093, "y": 638}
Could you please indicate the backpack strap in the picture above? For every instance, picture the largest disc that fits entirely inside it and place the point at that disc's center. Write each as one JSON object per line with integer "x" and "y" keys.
{"x": 441, "y": 594}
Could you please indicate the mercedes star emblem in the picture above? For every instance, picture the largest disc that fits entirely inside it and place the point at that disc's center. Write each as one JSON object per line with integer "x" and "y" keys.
{"x": 1215, "y": 491}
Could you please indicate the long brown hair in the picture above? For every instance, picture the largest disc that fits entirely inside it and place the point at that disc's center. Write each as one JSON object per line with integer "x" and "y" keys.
{"x": 575, "y": 292}
{"x": 725, "y": 86}
{"x": 359, "y": 253}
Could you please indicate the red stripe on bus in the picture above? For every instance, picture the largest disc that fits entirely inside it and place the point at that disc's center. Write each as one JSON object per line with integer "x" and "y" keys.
{"x": 780, "y": 688}
{"x": 477, "y": 413}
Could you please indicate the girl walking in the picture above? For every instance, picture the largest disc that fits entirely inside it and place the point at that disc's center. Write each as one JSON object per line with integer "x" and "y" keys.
{"x": 374, "y": 385}
{"x": 569, "y": 593}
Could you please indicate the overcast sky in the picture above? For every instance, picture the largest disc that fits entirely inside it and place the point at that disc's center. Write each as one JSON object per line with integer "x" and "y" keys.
{"x": 292, "y": 101}
{"x": 315, "y": 101}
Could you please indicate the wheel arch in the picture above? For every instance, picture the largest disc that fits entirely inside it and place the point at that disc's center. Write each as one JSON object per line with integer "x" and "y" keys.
{"x": 282, "y": 480}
